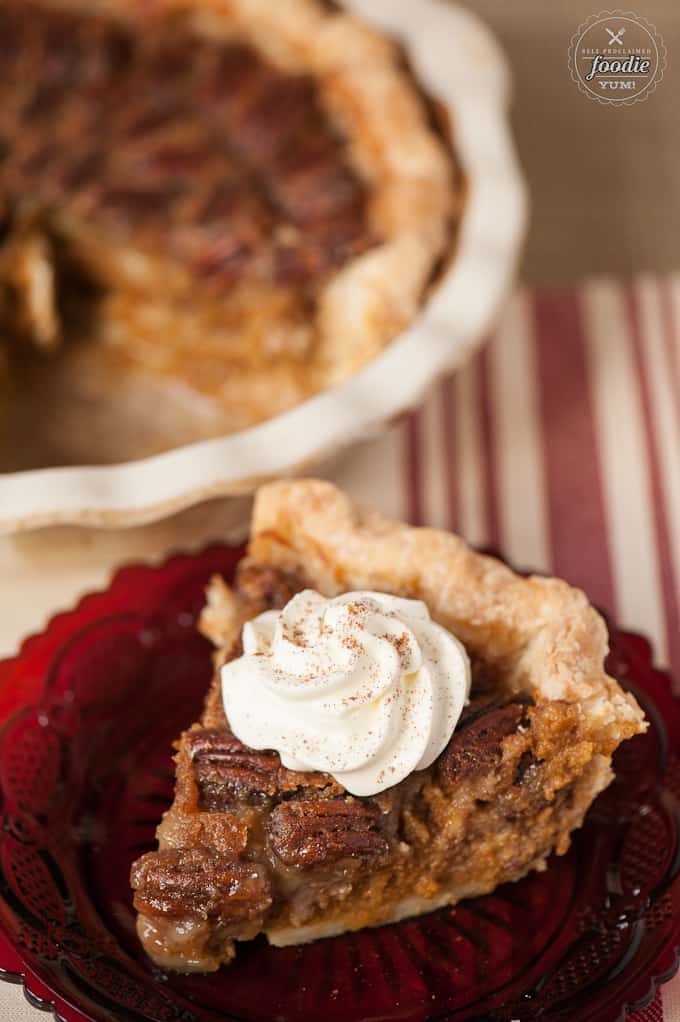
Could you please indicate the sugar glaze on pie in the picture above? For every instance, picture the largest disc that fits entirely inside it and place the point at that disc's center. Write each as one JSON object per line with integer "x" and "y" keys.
{"x": 251, "y": 847}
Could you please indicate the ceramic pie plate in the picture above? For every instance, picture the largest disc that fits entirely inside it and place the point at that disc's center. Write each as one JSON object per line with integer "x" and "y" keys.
{"x": 460, "y": 65}
{"x": 88, "y": 711}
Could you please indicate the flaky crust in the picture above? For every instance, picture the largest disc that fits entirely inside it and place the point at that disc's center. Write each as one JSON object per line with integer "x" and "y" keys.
{"x": 369, "y": 94}
{"x": 543, "y": 633}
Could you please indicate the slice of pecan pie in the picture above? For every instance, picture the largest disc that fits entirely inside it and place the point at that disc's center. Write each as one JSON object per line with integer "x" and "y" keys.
{"x": 254, "y": 844}
{"x": 230, "y": 203}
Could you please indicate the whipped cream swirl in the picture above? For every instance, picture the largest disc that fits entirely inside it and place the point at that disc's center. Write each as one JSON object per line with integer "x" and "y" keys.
{"x": 365, "y": 687}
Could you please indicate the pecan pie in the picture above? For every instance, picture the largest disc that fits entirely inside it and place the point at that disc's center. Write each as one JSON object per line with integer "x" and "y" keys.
{"x": 218, "y": 206}
{"x": 252, "y": 846}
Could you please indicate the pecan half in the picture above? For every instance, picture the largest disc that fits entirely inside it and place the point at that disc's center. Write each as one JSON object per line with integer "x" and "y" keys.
{"x": 307, "y": 833}
{"x": 228, "y": 772}
{"x": 475, "y": 747}
{"x": 199, "y": 883}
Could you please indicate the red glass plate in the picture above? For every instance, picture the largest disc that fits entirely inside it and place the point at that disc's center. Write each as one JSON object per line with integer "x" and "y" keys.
{"x": 89, "y": 710}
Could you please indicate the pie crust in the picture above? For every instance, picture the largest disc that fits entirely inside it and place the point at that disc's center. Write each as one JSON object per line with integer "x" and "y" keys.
{"x": 251, "y": 847}
{"x": 215, "y": 356}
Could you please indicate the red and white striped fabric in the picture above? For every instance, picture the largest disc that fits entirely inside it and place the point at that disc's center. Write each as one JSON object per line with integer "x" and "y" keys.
{"x": 559, "y": 445}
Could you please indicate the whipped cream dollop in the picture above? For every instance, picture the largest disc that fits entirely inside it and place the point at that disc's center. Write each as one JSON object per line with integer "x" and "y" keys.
{"x": 365, "y": 687}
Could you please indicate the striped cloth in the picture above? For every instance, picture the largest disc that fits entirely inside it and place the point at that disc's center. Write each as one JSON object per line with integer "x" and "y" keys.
{"x": 559, "y": 445}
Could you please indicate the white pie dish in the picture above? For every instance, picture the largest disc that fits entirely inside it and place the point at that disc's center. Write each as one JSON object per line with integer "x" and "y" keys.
{"x": 460, "y": 64}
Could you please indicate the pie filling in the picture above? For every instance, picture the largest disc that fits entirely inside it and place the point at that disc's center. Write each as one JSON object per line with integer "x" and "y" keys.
{"x": 250, "y": 846}
{"x": 172, "y": 205}
{"x": 184, "y": 145}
